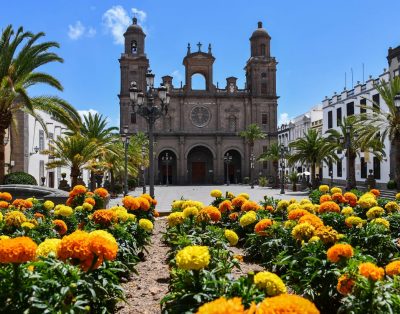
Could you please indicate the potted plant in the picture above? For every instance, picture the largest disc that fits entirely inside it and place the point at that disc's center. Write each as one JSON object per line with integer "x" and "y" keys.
{"x": 293, "y": 177}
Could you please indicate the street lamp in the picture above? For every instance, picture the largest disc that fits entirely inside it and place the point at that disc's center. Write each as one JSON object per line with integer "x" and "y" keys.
{"x": 166, "y": 159}
{"x": 35, "y": 151}
{"x": 282, "y": 152}
{"x": 150, "y": 111}
{"x": 331, "y": 175}
{"x": 252, "y": 163}
{"x": 125, "y": 140}
{"x": 347, "y": 144}
{"x": 227, "y": 161}
{"x": 142, "y": 167}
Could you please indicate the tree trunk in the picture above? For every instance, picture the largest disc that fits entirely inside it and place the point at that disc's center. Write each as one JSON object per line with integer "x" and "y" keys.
{"x": 352, "y": 171}
{"x": 74, "y": 176}
{"x": 112, "y": 182}
{"x": 2, "y": 156}
{"x": 396, "y": 145}
{"x": 276, "y": 168}
{"x": 313, "y": 181}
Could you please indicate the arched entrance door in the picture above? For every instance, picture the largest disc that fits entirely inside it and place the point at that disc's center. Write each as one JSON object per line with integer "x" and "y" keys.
{"x": 200, "y": 166}
{"x": 167, "y": 167}
{"x": 234, "y": 167}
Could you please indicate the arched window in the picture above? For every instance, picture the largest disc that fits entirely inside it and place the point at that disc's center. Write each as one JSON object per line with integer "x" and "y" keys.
{"x": 134, "y": 46}
{"x": 262, "y": 48}
{"x": 198, "y": 82}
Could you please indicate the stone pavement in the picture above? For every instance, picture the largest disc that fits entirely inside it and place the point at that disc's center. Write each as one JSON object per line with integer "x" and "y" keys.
{"x": 165, "y": 195}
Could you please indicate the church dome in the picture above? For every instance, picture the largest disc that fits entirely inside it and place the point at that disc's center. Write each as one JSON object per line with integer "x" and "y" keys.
{"x": 260, "y": 32}
{"x": 134, "y": 27}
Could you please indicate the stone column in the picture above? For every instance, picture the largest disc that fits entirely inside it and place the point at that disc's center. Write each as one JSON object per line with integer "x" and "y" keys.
{"x": 182, "y": 161}
{"x": 219, "y": 163}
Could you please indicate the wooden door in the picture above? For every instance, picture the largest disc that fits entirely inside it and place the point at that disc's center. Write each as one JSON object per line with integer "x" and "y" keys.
{"x": 51, "y": 179}
{"x": 198, "y": 172}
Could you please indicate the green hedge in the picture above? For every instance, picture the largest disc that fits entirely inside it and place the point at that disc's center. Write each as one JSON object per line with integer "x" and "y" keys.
{"x": 20, "y": 178}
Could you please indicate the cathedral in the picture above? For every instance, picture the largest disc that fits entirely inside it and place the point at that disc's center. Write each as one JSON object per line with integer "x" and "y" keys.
{"x": 202, "y": 126}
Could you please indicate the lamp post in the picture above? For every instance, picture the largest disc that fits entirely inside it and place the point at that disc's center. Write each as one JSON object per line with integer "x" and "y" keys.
{"x": 125, "y": 140}
{"x": 146, "y": 106}
{"x": 282, "y": 152}
{"x": 331, "y": 175}
{"x": 227, "y": 161}
{"x": 252, "y": 164}
{"x": 143, "y": 168}
{"x": 166, "y": 159}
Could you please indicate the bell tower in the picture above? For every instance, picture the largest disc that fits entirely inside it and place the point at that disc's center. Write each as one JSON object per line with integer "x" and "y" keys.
{"x": 261, "y": 67}
{"x": 133, "y": 67}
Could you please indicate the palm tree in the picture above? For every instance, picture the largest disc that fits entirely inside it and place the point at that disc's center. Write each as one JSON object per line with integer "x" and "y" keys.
{"x": 72, "y": 151}
{"x": 252, "y": 133}
{"x": 20, "y": 56}
{"x": 272, "y": 154}
{"x": 377, "y": 123}
{"x": 311, "y": 149}
{"x": 334, "y": 136}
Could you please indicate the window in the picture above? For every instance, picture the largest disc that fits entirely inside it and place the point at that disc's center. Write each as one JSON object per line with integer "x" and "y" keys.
{"x": 377, "y": 168}
{"x": 363, "y": 102}
{"x": 339, "y": 168}
{"x": 264, "y": 118}
{"x": 350, "y": 108}
{"x": 232, "y": 123}
{"x": 133, "y": 118}
{"x": 265, "y": 163}
{"x": 330, "y": 168}
{"x": 41, "y": 169}
{"x": 330, "y": 120}
{"x": 338, "y": 116}
{"x": 376, "y": 101}
{"x": 41, "y": 140}
{"x": 363, "y": 168}
{"x": 262, "y": 48}
{"x": 134, "y": 46}
{"x": 263, "y": 75}
{"x": 263, "y": 88}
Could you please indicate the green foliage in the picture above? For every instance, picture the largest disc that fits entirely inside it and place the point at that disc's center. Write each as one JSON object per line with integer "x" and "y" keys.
{"x": 314, "y": 196}
{"x": 262, "y": 181}
{"x": 391, "y": 185}
{"x": 20, "y": 178}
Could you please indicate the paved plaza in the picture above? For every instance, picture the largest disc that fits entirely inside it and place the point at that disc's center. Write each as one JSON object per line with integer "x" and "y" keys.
{"x": 165, "y": 195}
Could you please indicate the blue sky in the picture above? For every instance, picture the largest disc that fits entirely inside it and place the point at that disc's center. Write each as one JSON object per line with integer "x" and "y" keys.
{"x": 315, "y": 42}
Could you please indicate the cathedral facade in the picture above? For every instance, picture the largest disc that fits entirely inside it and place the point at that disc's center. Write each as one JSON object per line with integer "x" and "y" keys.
{"x": 203, "y": 126}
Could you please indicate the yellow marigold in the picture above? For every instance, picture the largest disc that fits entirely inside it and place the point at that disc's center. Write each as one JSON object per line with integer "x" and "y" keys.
{"x": 381, "y": 221}
{"x": 354, "y": 221}
{"x": 130, "y": 203}
{"x": 393, "y": 268}
{"x": 293, "y": 206}
{"x": 250, "y": 205}
{"x": 289, "y": 224}
{"x": 397, "y": 196}
{"x": 216, "y": 193}
{"x": 190, "y": 212}
{"x": 310, "y": 207}
{"x": 390, "y": 207}
{"x": 314, "y": 239}
{"x": 312, "y": 219}
{"x": 175, "y": 219}
{"x": 244, "y": 195}
{"x": 212, "y": 212}
{"x": 248, "y": 218}
{"x": 190, "y": 203}
{"x": 230, "y": 195}
{"x": 4, "y": 204}
{"x": 222, "y": 306}
{"x": 345, "y": 285}
{"x": 325, "y": 198}
{"x": 87, "y": 206}
{"x": 238, "y": 201}
{"x": 3, "y": 237}
{"x": 146, "y": 224}
{"x": 64, "y": 211}
{"x": 262, "y": 225}
{"x": 324, "y": 188}
{"x": 193, "y": 257}
{"x": 48, "y": 246}
{"x": 231, "y": 236}
{"x": 375, "y": 212}
{"x": 225, "y": 206}
{"x": 104, "y": 217}
{"x": 1, "y": 217}
{"x": 347, "y": 211}
{"x": 27, "y": 225}
{"x": 305, "y": 201}
{"x": 48, "y": 205}
{"x": 338, "y": 251}
{"x": 327, "y": 234}
{"x": 17, "y": 250}
{"x": 284, "y": 304}
{"x": 176, "y": 205}
{"x": 297, "y": 214}
{"x": 335, "y": 189}
{"x": 329, "y": 206}
{"x": 270, "y": 283}
{"x": 102, "y": 192}
{"x": 367, "y": 201}
{"x": 60, "y": 226}
{"x": 371, "y": 271}
{"x": 14, "y": 218}
{"x": 5, "y": 196}
{"x": 282, "y": 205}
{"x": 303, "y": 231}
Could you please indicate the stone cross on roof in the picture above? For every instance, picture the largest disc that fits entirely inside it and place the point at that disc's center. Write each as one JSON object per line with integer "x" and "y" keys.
{"x": 199, "y": 45}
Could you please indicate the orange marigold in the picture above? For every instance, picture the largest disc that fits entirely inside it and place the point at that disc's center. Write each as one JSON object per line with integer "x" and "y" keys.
{"x": 147, "y": 197}
{"x": 376, "y": 192}
{"x": 75, "y": 246}
{"x": 69, "y": 201}
{"x": 77, "y": 190}
{"x": 225, "y": 206}
{"x": 130, "y": 203}
{"x": 60, "y": 226}
{"x": 90, "y": 201}
{"x": 339, "y": 251}
{"x": 312, "y": 219}
{"x": 89, "y": 194}
{"x": 351, "y": 198}
{"x": 345, "y": 284}
{"x": 250, "y": 205}
{"x": 212, "y": 212}
{"x": 284, "y": 303}
{"x": 102, "y": 192}
{"x": 325, "y": 198}
{"x": 5, "y": 196}
{"x": 371, "y": 271}
{"x": 329, "y": 206}
{"x": 22, "y": 204}
{"x": 4, "y": 204}
{"x": 38, "y": 215}
{"x": 338, "y": 197}
{"x": 233, "y": 216}
{"x": 238, "y": 201}
{"x": 393, "y": 268}
{"x": 297, "y": 213}
{"x": 144, "y": 203}
{"x": 269, "y": 208}
{"x": 222, "y": 306}
{"x": 17, "y": 250}
{"x": 263, "y": 224}
{"x": 105, "y": 217}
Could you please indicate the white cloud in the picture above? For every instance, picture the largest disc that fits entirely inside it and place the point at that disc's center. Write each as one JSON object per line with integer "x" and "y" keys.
{"x": 78, "y": 30}
{"x": 83, "y": 113}
{"x": 283, "y": 118}
{"x": 177, "y": 76}
{"x": 117, "y": 21}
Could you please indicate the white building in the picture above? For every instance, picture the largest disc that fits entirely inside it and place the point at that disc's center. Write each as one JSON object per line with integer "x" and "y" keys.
{"x": 24, "y": 147}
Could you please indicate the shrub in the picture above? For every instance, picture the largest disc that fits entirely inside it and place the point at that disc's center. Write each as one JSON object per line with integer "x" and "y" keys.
{"x": 391, "y": 185}
{"x": 246, "y": 180}
{"x": 20, "y": 178}
{"x": 262, "y": 181}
